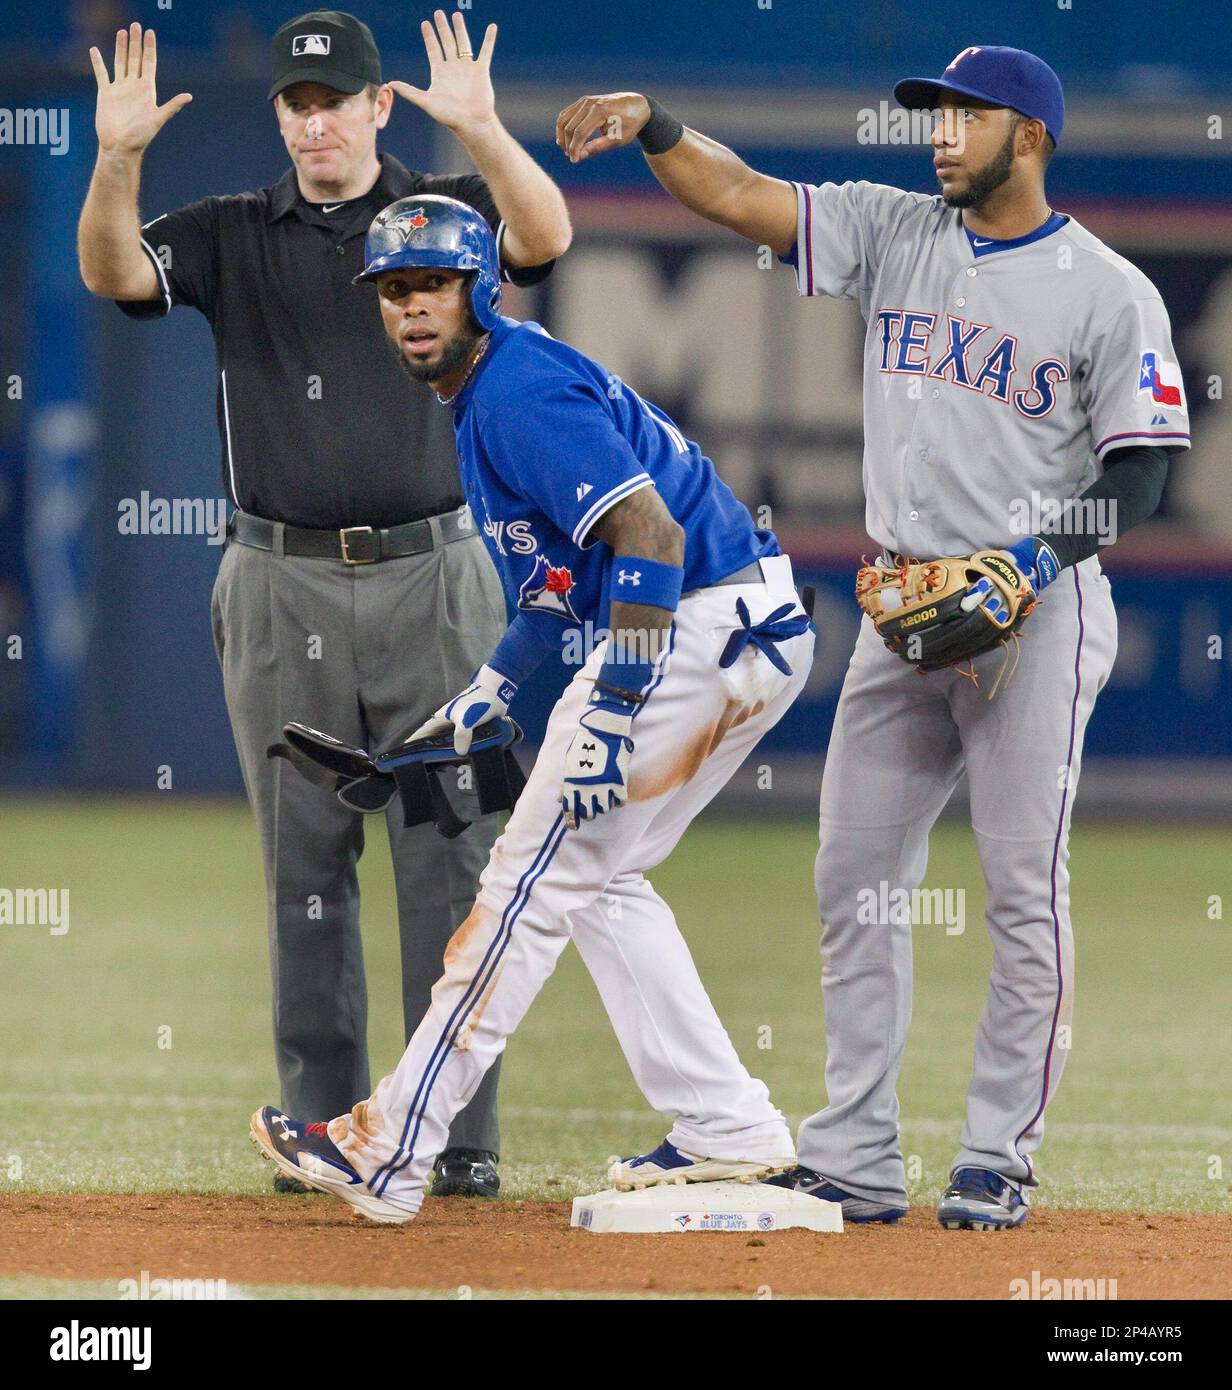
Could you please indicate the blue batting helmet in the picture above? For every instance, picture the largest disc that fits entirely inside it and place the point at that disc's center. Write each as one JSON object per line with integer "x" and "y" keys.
{"x": 434, "y": 231}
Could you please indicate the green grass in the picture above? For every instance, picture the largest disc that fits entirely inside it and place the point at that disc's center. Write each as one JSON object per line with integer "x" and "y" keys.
{"x": 168, "y": 932}
{"x": 81, "y": 1290}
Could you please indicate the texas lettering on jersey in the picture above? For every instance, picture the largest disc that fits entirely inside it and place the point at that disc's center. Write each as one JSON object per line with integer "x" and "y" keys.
{"x": 966, "y": 354}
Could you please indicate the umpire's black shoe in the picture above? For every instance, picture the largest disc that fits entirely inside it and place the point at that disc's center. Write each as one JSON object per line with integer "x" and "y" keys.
{"x": 465, "y": 1173}
{"x": 285, "y": 1184}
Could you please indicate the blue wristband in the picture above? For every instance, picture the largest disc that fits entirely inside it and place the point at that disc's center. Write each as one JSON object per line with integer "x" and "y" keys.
{"x": 523, "y": 648}
{"x": 634, "y": 580}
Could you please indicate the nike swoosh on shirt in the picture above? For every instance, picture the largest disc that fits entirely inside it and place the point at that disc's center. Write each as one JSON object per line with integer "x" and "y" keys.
{"x": 335, "y": 207}
{"x": 975, "y": 241}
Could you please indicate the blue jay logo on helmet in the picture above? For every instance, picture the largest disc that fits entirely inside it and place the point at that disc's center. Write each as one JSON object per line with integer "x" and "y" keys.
{"x": 408, "y": 223}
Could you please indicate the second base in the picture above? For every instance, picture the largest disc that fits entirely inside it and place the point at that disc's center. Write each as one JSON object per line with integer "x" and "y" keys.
{"x": 706, "y": 1206}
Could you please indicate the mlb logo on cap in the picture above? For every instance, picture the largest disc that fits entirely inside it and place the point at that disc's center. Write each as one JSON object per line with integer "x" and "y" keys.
{"x": 325, "y": 46}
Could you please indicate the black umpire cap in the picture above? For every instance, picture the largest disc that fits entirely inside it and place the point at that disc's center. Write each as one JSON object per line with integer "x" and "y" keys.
{"x": 327, "y": 46}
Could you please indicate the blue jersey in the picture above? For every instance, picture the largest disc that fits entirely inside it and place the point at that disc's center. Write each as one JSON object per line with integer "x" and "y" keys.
{"x": 548, "y": 441}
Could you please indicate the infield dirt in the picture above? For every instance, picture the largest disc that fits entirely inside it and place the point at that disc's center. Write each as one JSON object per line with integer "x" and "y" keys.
{"x": 515, "y": 1246}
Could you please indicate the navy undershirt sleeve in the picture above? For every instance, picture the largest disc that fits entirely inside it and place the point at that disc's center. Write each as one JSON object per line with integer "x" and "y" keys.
{"x": 1133, "y": 481}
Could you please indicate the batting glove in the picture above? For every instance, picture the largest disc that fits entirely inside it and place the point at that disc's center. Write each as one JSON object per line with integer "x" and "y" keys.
{"x": 597, "y": 763}
{"x": 487, "y": 697}
{"x": 1035, "y": 561}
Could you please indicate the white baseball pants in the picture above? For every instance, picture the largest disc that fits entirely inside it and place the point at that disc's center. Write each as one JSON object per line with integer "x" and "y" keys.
{"x": 544, "y": 883}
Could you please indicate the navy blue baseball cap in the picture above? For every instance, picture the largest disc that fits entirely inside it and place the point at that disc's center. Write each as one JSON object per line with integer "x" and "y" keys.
{"x": 1000, "y": 76}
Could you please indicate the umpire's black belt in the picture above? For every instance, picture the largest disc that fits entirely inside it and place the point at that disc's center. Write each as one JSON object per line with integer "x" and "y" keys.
{"x": 353, "y": 545}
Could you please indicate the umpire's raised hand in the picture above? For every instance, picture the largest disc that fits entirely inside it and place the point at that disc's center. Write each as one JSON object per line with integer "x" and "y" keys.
{"x": 127, "y": 116}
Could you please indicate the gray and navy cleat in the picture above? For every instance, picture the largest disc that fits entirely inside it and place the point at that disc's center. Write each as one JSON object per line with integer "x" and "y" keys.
{"x": 856, "y": 1210}
{"x": 978, "y": 1199}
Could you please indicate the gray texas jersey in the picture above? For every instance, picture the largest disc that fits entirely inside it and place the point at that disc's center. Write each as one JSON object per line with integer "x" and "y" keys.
{"x": 990, "y": 380}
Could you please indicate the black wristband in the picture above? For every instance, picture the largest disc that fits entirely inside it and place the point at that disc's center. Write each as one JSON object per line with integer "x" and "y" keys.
{"x": 630, "y": 697}
{"x": 661, "y": 132}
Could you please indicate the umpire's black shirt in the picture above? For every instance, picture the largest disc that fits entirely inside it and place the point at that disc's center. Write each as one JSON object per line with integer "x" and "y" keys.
{"x": 320, "y": 425}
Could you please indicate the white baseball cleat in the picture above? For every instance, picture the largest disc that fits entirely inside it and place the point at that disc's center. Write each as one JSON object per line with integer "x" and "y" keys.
{"x": 306, "y": 1153}
{"x": 668, "y": 1164}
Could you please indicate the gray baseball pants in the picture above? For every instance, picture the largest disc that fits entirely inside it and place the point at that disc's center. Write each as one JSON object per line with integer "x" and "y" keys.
{"x": 901, "y": 741}
{"x": 365, "y": 653}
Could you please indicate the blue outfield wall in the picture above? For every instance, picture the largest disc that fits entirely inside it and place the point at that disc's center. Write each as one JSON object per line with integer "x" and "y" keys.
{"x": 1102, "y": 44}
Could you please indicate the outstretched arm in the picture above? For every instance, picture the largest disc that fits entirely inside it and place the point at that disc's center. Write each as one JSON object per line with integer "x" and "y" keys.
{"x": 697, "y": 171}
{"x": 127, "y": 118}
{"x": 460, "y": 97}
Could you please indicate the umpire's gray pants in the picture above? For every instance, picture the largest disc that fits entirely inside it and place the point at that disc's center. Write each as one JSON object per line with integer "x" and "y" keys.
{"x": 364, "y": 653}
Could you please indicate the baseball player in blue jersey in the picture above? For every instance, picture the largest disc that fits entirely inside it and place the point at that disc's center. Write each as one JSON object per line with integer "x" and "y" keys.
{"x": 600, "y": 517}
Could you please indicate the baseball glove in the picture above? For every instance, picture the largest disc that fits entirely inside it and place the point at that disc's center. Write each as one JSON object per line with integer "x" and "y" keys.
{"x": 939, "y": 613}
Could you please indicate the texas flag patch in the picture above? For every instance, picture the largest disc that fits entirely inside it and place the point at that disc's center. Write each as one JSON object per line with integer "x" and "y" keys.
{"x": 547, "y": 588}
{"x": 1161, "y": 378}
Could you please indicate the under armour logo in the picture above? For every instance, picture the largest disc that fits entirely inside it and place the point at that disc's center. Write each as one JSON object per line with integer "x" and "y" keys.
{"x": 309, "y": 43}
{"x": 287, "y": 1132}
{"x": 626, "y": 578}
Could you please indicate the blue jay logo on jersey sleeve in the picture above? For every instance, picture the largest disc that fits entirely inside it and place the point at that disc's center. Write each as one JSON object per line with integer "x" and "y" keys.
{"x": 546, "y": 590}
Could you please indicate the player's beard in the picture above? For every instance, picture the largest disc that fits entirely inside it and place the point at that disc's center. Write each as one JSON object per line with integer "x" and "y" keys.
{"x": 987, "y": 180}
{"x": 451, "y": 358}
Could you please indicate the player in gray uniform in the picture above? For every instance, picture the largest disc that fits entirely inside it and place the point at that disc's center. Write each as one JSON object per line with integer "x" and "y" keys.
{"x": 1020, "y": 391}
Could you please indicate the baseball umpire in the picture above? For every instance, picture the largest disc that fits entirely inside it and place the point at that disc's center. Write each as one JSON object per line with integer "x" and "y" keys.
{"x": 1020, "y": 399}
{"x": 351, "y": 545}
